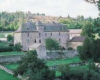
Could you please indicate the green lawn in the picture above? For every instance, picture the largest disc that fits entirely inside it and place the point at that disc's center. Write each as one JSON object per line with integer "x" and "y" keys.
{"x": 11, "y": 66}
{"x": 6, "y": 76}
{"x": 11, "y": 53}
{"x": 63, "y": 61}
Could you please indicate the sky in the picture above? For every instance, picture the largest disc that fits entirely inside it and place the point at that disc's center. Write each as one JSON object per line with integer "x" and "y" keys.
{"x": 51, "y": 7}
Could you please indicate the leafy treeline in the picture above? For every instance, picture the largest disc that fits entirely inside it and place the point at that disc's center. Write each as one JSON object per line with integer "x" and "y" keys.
{"x": 75, "y": 23}
{"x": 10, "y": 21}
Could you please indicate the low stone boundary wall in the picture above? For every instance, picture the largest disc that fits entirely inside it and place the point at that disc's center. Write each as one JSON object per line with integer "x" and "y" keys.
{"x": 71, "y": 65}
{"x": 61, "y": 54}
{"x": 10, "y": 58}
{"x": 10, "y": 71}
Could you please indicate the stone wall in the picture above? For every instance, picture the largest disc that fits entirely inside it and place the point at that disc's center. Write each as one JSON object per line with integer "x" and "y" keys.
{"x": 61, "y": 54}
{"x": 10, "y": 58}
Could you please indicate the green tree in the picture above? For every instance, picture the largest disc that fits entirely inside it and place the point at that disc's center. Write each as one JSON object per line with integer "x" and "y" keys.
{"x": 10, "y": 38}
{"x": 80, "y": 51}
{"x": 52, "y": 44}
{"x": 98, "y": 49}
{"x": 87, "y": 30}
{"x": 34, "y": 68}
{"x": 86, "y": 49}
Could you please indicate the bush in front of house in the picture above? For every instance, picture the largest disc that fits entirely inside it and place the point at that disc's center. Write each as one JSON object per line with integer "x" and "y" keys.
{"x": 17, "y": 47}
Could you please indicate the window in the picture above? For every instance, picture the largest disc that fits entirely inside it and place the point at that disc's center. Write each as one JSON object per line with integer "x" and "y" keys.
{"x": 39, "y": 34}
{"x": 59, "y": 39}
{"x": 28, "y": 41}
{"x": 39, "y": 40}
{"x": 51, "y": 34}
{"x": 59, "y": 33}
{"x": 35, "y": 41}
{"x": 45, "y": 34}
{"x": 27, "y": 28}
{"x": 27, "y": 34}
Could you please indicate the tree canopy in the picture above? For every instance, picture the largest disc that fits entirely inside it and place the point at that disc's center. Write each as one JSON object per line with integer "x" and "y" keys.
{"x": 52, "y": 44}
{"x": 34, "y": 68}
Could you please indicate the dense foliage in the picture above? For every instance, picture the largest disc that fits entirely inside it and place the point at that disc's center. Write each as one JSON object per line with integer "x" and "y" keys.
{"x": 75, "y": 23}
{"x": 90, "y": 49}
{"x": 17, "y": 47}
{"x": 10, "y": 38}
{"x": 80, "y": 74}
{"x": 52, "y": 44}
{"x": 34, "y": 68}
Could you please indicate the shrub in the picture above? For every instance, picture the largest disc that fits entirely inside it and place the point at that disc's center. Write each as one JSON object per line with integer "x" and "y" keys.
{"x": 17, "y": 47}
{"x": 70, "y": 48}
{"x": 6, "y": 49}
{"x": 34, "y": 68}
{"x": 10, "y": 38}
{"x": 33, "y": 52}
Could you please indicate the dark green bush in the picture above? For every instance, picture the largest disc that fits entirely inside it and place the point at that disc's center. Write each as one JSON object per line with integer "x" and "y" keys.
{"x": 6, "y": 49}
{"x": 70, "y": 48}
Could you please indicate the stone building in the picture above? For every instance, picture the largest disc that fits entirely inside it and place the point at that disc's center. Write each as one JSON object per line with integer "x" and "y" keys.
{"x": 30, "y": 33}
{"x": 74, "y": 32}
{"x": 76, "y": 41}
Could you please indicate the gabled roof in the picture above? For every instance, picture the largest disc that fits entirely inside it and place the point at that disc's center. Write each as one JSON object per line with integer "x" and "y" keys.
{"x": 48, "y": 27}
{"x": 77, "y": 39}
{"x": 35, "y": 46}
{"x": 28, "y": 26}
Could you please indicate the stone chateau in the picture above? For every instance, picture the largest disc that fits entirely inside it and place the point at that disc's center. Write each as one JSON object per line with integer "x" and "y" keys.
{"x": 30, "y": 33}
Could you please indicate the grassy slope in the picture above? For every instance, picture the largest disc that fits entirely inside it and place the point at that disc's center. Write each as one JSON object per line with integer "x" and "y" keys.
{"x": 6, "y": 76}
{"x": 11, "y": 66}
{"x": 11, "y": 53}
{"x": 63, "y": 61}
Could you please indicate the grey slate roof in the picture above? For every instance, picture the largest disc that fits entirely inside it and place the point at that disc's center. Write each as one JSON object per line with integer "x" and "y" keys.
{"x": 48, "y": 27}
{"x": 77, "y": 39}
{"x": 39, "y": 23}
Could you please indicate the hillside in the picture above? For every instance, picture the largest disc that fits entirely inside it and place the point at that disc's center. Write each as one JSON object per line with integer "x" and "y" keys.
{"x": 11, "y": 21}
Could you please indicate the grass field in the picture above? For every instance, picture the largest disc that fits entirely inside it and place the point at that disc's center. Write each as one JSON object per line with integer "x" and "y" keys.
{"x": 63, "y": 61}
{"x": 6, "y": 76}
{"x": 11, "y": 66}
{"x": 11, "y": 53}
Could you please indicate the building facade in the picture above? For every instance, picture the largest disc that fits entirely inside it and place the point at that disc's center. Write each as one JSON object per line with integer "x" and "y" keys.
{"x": 30, "y": 33}
{"x": 74, "y": 33}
